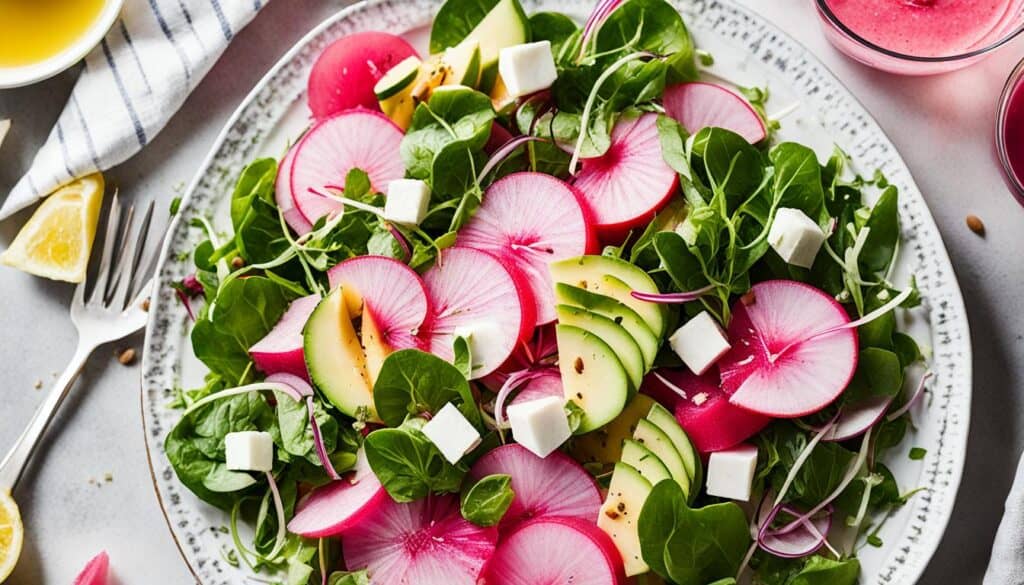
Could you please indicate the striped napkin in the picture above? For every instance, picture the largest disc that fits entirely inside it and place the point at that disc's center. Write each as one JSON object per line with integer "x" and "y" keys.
{"x": 1006, "y": 567}
{"x": 152, "y": 58}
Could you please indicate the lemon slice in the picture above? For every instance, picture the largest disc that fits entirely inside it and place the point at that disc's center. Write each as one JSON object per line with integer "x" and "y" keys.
{"x": 56, "y": 241}
{"x": 12, "y": 534}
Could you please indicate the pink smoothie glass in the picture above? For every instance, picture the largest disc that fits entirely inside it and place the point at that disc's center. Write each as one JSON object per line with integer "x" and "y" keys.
{"x": 920, "y": 37}
{"x": 1010, "y": 131}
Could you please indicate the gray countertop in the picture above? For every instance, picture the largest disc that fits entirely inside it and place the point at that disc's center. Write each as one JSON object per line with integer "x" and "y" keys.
{"x": 943, "y": 126}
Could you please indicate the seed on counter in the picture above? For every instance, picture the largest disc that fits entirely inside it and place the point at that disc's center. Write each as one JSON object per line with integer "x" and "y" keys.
{"x": 975, "y": 224}
{"x": 145, "y": 305}
{"x": 108, "y": 477}
{"x": 38, "y": 384}
{"x": 126, "y": 357}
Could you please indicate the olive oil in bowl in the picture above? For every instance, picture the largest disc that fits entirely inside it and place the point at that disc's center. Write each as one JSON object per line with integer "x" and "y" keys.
{"x": 32, "y": 31}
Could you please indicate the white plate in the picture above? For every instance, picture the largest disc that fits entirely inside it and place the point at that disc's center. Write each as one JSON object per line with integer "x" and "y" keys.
{"x": 748, "y": 50}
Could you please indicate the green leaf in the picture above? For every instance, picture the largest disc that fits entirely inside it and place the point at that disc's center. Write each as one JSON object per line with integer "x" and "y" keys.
{"x": 679, "y": 261}
{"x": 457, "y": 18}
{"x": 297, "y": 433}
{"x": 879, "y": 373}
{"x": 691, "y": 546}
{"x": 554, "y": 27}
{"x": 408, "y": 465}
{"x": 731, "y": 165}
{"x": 797, "y": 180}
{"x": 884, "y": 223}
{"x": 346, "y": 578}
{"x": 822, "y": 571}
{"x": 463, "y": 357}
{"x": 917, "y": 453}
{"x": 246, "y": 309}
{"x": 673, "y": 145}
{"x": 649, "y": 25}
{"x": 487, "y": 500}
{"x": 412, "y": 382}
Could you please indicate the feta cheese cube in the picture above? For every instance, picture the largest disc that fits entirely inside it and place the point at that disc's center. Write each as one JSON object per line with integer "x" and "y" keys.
{"x": 731, "y": 472}
{"x": 407, "y": 201}
{"x": 453, "y": 435}
{"x": 540, "y": 425}
{"x": 528, "y": 68}
{"x": 249, "y": 451}
{"x": 699, "y": 343}
{"x": 795, "y": 237}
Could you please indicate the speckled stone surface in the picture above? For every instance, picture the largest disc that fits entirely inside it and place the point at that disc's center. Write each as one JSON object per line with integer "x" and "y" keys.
{"x": 942, "y": 127}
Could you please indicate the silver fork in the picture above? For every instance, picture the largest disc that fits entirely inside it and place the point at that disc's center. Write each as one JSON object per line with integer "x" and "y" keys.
{"x": 111, "y": 312}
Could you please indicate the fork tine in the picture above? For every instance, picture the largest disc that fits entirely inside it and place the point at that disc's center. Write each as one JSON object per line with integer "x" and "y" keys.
{"x": 140, "y": 246}
{"x": 79, "y": 297}
{"x": 123, "y": 241}
{"x": 99, "y": 289}
{"x": 120, "y": 296}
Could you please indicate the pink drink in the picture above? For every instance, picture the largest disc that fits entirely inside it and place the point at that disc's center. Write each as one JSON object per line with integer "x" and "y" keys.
{"x": 1013, "y": 133}
{"x": 924, "y": 28}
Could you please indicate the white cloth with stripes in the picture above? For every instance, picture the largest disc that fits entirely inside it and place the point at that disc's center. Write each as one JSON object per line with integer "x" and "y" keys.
{"x": 154, "y": 55}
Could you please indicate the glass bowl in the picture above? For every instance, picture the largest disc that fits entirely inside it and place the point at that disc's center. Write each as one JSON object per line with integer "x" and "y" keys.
{"x": 1013, "y": 95}
{"x": 860, "y": 49}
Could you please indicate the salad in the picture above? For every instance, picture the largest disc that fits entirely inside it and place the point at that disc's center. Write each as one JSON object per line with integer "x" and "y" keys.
{"x": 547, "y": 306}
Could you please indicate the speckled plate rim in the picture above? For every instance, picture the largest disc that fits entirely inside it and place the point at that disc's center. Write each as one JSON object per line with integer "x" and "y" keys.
{"x": 928, "y": 514}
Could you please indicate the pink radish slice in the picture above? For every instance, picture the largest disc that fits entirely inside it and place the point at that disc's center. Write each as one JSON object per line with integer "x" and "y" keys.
{"x": 556, "y": 550}
{"x": 344, "y": 75}
{"x": 547, "y": 383}
{"x": 540, "y": 351}
{"x": 530, "y": 220}
{"x": 707, "y": 416}
{"x": 95, "y": 571}
{"x": 759, "y": 376}
{"x": 426, "y": 542}
{"x": 553, "y": 486}
{"x": 354, "y": 139}
{"x": 472, "y": 291}
{"x": 281, "y": 350}
{"x": 625, "y": 187}
{"x": 855, "y": 419}
{"x": 283, "y": 195}
{"x": 700, "y": 105}
{"x": 338, "y": 506}
{"x": 392, "y": 291}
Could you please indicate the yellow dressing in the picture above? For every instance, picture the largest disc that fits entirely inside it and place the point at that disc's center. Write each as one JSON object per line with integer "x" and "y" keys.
{"x": 35, "y": 30}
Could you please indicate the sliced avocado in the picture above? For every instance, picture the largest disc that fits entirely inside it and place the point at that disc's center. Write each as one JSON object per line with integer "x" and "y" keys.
{"x": 663, "y": 419}
{"x": 604, "y": 445}
{"x": 613, "y": 334}
{"x": 398, "y": 78}
{"x": 374, "y": 346}
{"x": 643, "y": 460}
{"x": 620, "y": 515}
{"x": 592, "y": 377}
{"x": 572, "y": 295}
{"x": 506, "y": 25}
{"x": 335, "y": 358}
{"x": 652, "y": 437}
{"x": 462, "y": 64}
{"x": 588, "y": 272}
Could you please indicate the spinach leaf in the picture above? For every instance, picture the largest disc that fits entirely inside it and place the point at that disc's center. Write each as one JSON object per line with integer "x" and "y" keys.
{"x": 691, "y": 546}
{"x": 413, "y": 382}
{"x": 555, "y": 27}
{"x": 346, "y": 578}
{"x": 408, "y": 465}
{"x": 818, "y": 476}
{"x": 297, "y": 433}
{"x": 486, "y": 501}
{"x": 884, "y": 223}
{"x": 195, "y": 446}
{"x": 879, "y": 373}
{"x": 457, "y": 18}
{"x": 673, "y": 138}
{"x": 823, "y": 571}
{"x": 245, "y": 310}
{"x": 254, "y": 213}
{"x": 797, "y": 180}
{"x": 730, "y": 164}
{"x": 654, "y": 26}
{"x": 463, "y": 360}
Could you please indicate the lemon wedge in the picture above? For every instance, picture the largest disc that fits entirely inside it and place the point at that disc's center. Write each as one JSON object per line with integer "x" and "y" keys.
{"x": 12, "y": 534}
{"x": 56, "y": 241}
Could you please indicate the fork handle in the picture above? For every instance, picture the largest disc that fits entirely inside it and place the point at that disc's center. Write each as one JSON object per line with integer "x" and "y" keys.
{"x": 15, "y": 461}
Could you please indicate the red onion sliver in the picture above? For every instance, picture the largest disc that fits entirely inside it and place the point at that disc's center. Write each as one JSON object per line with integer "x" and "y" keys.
{"x": 506, "y": 149}
{"x": 914, "y": 398}
{"x": 673, "y": 298}
{"x": 402, "y": 241}
{"x": 794, "y": 543}
{"x": 298, "y": 388}
{"x": 318, "y": 442}
{"x": 513, "y": 381}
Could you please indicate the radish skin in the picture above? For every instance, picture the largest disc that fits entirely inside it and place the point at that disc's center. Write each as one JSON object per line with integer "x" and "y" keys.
{"x": 345, "y": 74}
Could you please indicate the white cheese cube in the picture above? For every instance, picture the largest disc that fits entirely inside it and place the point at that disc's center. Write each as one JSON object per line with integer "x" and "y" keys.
{"x": 700, "y": 342}
{"x": 249, "y": 451}
{"x": 528, "y": 68}
{"x": 795, "y": 237}
{"x": 540, "y": 425}
{"x": 407, "y": 201}
{"x": 731, "y": 472}
{"x": 451, "y": 433}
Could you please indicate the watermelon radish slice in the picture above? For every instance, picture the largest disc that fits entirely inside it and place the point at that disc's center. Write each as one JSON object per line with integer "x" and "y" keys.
{"x": 779, "y": 364}
{"x": 95, "y": 571}
{"x": 392, "y": 291}
{"x": 705, "y": 413}
{"x": 281, "y": 350}
{"x": 472, "y": 292}
{"x": 338, "y": 506}
{"x": 529, "y": 220}
{"x": 625, "y": 187}
{"x": 553, "y": 486}
{"x": 344, "y": 75}
{"x": 283, "y": 195}
{"x": 556, "y": 550}
{"x": 426, "y": 542}
{"x": 327, "y": 153}
{"x": 699, "y": 104}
